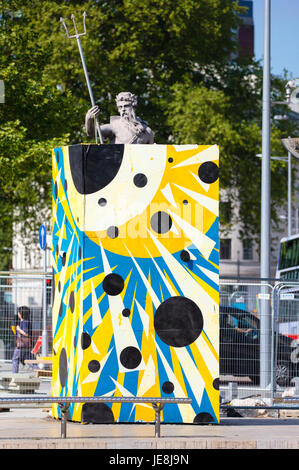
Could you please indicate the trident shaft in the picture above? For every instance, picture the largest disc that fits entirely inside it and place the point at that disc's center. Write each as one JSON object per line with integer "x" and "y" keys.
{"x": 77, "y": 36}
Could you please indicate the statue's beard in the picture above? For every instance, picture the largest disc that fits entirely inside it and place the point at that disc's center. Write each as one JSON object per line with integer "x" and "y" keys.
{"x": 130, "y": 116}
{"x": 133, "y": 122}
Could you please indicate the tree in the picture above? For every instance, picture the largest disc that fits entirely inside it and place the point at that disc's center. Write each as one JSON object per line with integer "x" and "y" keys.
{"x": 225, "y": 107}
{"x": 153, "y": 48}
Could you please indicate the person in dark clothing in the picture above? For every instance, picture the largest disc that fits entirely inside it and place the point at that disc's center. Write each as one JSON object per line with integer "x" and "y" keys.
{"x": 23, "y": 339}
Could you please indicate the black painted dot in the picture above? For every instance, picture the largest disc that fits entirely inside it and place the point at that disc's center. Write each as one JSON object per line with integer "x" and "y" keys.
{"x": 208, "y": 172}
{"x": 185, "y": 201}
{"x": 126, "y": 312}
{"x": 85, "y": 340}
{"x": 216, "y": 384}
{"x": 63, "y": 367}
{"x": 94, "y": 366}
{"x": 57, "y": 156}
{"x": 161, "y": 222}
{"x": 75, "y": 342}
{"x": 80, "y": 252}
{"x": 59, "y": 286}
{"x": 170, "y": 159}
{"x": 178, "y": 321}
{"x": 72, "y": 302}
{"x": 185, "y": 256}
{"x": 63, "y": 258}
{"x": 57, "y": 250}
{"x": 65, "y": 185}
{"x": 113, "y": 284}
{"x": 56, "y": 190}
{"x": 168, "y": 387}
{"x": 203, "y": 418}
{"x": 112, "y": 232}
{"x": 96, "y": 413}
{"x": 60, "y": 309}
{"x": 140, "y": 180}
{"x": 130, "y": 357}
{"x": 102, "y": 202}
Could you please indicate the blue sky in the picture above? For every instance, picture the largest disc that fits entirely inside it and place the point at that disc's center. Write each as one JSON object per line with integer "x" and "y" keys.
{"x": 284, "y": 35}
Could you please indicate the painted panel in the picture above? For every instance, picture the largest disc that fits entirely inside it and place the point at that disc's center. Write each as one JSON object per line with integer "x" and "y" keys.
{"x": 136, "y": 263}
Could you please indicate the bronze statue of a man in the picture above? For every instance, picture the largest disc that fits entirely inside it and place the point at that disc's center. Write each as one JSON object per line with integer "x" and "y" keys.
{"x": 126, "y": 128}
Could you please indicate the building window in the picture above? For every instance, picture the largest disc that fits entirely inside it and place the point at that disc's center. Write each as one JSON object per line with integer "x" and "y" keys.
{"x": 247, "y": 249}
{"x": 225, "y": 248}
{"x": 226, "y": 212}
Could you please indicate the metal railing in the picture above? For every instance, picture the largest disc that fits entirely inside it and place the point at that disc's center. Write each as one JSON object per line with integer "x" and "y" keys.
{"x": 64, "y": 403}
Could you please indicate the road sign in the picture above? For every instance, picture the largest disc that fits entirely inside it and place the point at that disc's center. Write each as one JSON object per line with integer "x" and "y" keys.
{"x": 42, "y": 237}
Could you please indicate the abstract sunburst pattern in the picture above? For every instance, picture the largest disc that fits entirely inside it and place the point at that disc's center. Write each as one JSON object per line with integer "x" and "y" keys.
{"x": 136, "y": 262}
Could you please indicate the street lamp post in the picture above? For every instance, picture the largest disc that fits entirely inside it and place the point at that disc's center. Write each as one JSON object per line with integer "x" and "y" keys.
{"x": 265, "y": 319}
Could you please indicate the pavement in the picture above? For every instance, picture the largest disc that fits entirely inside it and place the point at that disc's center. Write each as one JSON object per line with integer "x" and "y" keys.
{"x": 34, "y": 428}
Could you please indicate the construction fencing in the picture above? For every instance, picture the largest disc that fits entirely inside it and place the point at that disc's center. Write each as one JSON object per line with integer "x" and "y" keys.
{"x": 259, "y": 331}
{"x": 35, "y": 292}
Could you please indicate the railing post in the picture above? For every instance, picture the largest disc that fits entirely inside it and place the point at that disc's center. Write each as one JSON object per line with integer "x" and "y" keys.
{"x": 158, "y": 408}
{"x": 64, "y": 409}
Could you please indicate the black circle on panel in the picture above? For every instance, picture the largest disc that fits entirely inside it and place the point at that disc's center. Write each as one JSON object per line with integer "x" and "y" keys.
{"x": 140, "y": 180}
{"x": 208, "y": 172}
{"x": 80, "y": 252}
{"x": 56, "y": 190}
{"x": 126, "y": 312}
{"x": 59, "y": 286}
{"x": 102, "y": 202}
{"x": 112, "y": 232}
{"x": 63, "y": 367}
{"x": 85, "y": 340}
{"x": 63, "y": 258}
{"x": 185, "y": 256}
{"x": 57, "y": 156}
{"x": 168, "y": 387}
{"x": 185, "y": 201}
{"x": 203, "y": 418}
{"x": 75, "y": 342}
{"x": 161, "y": 222}
{"x": 60, "y": 309}
{"x": 170, "y": 159}
{"x": 113, "y": 284}
{"x": 65, "y": 185}
{"x": 96, "y": 413}
{"x": 216, "y": 383}
{"x": 178, "y": 321}
{"x": 72, "y": 301}
{"x": 130, "y": 357}
{"x": 94, "y": 366}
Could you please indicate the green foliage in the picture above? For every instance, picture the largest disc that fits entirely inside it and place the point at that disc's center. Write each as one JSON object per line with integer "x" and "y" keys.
{"x": 173, "y": 54}
{"x": 226, "y": 108}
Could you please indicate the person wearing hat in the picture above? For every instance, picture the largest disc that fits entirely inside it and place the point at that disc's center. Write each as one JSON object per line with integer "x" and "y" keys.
{"x": 127, "y": 128}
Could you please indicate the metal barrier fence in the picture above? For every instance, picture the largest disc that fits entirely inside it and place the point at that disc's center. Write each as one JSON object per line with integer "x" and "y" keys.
{"x": 35, "y": 292}
{"x": 259, "y": 332}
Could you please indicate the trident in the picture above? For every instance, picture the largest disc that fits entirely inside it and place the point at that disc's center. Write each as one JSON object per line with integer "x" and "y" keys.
{"x": 77, "y": 36}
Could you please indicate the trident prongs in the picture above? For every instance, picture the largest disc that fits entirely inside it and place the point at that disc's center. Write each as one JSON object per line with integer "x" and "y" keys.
{"x": 77, "y": 36}
{"x": 75, "y": 26}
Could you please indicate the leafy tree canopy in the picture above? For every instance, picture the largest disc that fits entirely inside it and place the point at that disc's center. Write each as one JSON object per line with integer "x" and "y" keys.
{"x": 175, "y": 55}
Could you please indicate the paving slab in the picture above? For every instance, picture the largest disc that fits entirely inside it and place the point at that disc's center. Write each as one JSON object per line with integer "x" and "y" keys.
{"x": 34, "y": 428}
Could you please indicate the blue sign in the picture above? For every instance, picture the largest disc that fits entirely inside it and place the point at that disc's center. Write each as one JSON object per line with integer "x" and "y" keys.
{"x": 42, "y": 236}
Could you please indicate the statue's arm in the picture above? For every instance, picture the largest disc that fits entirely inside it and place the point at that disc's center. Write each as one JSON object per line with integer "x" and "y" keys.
{"x": 106, "y": 129}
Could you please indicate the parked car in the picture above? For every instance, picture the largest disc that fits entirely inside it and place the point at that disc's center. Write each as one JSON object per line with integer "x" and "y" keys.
{"x": 240, "y": 348}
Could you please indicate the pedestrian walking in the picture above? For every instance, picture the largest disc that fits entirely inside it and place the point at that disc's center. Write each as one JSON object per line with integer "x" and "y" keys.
{"x": 23, "y": 339}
